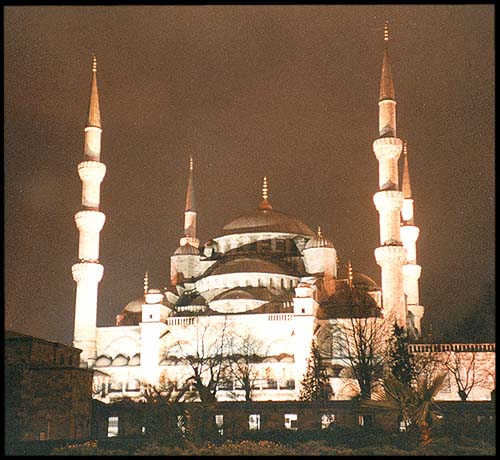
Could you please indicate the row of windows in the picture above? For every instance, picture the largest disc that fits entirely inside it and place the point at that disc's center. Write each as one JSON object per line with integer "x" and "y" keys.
{"x": 273, "y": 245}
{"x": 254, "y": 423}
{"x": 254, "y": 420}
{"x": 257, "y": 384}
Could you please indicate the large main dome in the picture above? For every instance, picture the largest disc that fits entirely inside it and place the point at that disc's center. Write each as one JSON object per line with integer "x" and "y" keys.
{"x": 267, "y": 220}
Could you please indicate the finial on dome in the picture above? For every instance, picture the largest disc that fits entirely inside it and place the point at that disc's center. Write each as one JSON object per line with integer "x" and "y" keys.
{"x": 350, "y": 273}
{"x": 146, "y": 282}
{"x": 191, "y": 164}
{"x": 94, "y": 63}
{"x": 386, "y": 31}
{"x": 319, "y": 230}
{"x": 264, "y": 204}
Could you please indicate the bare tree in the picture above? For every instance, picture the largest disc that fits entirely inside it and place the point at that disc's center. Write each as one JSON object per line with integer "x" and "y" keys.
{"x": 467, "y": 371}
{"x": 205, "y": 358}
{"x": 245, "y": 353}
{"x": 361, "y": 344}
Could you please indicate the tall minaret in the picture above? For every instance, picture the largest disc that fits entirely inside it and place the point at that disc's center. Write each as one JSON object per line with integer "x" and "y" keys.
{"x": 88, "y": 271}
{"x": 190, "y": 212}
{"x": 409, "y": 236}
{"x": 391, "y": 255}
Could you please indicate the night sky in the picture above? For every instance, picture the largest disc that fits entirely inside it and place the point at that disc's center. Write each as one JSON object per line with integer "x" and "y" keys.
{"x": 290, "y": 92}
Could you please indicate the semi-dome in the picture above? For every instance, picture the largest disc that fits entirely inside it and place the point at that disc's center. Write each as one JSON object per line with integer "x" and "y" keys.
{"x": 363, "y": 281}
{"x": 249, "y": 265}
{"x": 267, "y": 220}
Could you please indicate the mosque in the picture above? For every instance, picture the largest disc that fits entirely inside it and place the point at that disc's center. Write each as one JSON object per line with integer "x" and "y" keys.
{"x": 259, "y": 291}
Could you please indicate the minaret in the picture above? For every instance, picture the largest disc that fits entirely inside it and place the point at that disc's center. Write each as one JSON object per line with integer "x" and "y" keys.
{"x": 409, "y": 236}
{"x": 190, "y": 212}
{"x": 391, "y": 254}
{"x": 89, "y": 220}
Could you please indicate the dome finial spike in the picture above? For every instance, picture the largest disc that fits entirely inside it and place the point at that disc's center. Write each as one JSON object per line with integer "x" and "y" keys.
{"x": 386, "y": 31}
{"x": 265, "y": 193}
{"x": 191, "y": 164}
{"x": 350, "y": 273}
{"x": 319, "y": 230}
{"x": 94, "y": 63}
{"x": 146, "y": 282}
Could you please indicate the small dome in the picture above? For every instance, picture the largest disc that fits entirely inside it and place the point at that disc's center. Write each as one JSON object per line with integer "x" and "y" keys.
{"x": 363, "y": 281}
{"x": 319, "y": 241}
{"x": 154, "y": 296}
{"x": 135, "y": 360}
{"x": 120, "y": 360}
{"x": 103, "y": 361}
{"x": 135, "y": 306}
{"x": 186, "y": 250}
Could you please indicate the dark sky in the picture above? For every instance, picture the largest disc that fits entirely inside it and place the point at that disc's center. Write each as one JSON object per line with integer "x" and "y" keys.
{"x": 290, "y": 92}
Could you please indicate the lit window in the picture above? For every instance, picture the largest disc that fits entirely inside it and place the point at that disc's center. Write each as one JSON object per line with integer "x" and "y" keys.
{"x": 181, "y": 423}
{"x": 112, "y": 427}
{"x": 254, "y": 422}
{"x": 327, "y": 420}
{"x": 291, "y": 421}
{"x": 143, "y": 430}
{"x": 404, "y": 426}
{"x": 219, "y": 421}
{"x": 361, "y": 420}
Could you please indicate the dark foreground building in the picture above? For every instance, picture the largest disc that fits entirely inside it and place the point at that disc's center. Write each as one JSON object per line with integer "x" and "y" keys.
{"x": 47, "y": 395}
{"x": 258, "y": 419}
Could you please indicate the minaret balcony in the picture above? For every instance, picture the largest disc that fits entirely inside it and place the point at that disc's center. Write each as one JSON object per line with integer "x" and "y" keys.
{"x": 90, "y": 221}
{"x": 386, "y": 148}
{"x": 409, "y": 234}
{"x": 390, "y": 255}
{"x": 388, "y": 200}
{"x": 87, "y": 271}
{"x": 91, "y": 171}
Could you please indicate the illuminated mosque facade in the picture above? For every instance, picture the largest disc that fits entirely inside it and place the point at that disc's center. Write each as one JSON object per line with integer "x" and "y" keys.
{"x": 266, "y": 284}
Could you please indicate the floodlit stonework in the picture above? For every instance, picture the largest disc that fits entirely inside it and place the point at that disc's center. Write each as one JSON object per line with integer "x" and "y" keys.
{"x": 259, "y": 291}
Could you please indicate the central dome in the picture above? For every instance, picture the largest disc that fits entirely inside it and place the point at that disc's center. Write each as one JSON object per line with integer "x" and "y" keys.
{"x": 249, "y": 265}
{"x": 267, "y": 220}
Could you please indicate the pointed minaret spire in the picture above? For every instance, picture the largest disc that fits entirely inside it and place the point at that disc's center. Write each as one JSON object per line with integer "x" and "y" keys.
{"x": 146, "y": 282}
{"x": 406, "y": 186}
{"x": 190, "y": 211}
{"x": 190, "y": 200}
{"x": 265, "y": 195}
{"x": 407, "y": 209}
{"x": 386, "y": 83}
{"x": 94, "y": 118}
